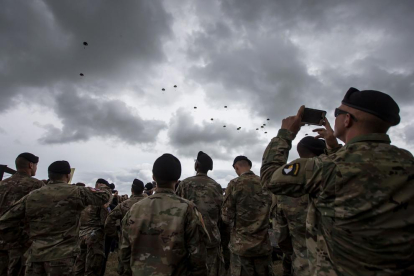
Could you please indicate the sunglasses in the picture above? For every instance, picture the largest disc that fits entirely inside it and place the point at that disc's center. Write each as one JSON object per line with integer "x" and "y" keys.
{"x": 340, "y": 111}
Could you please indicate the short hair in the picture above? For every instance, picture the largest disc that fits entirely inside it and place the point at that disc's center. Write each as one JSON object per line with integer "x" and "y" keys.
{"x": 164, "y": 183}
{"x": 22, "y": 163}
{"x": 243, "y": 163}
{"x": 137, "y": 189}
{"x": 202, "y": 168}
{"x": 304, "y": 152}
{"x": 375, "y": 125}
{"x": 56, "y": 176}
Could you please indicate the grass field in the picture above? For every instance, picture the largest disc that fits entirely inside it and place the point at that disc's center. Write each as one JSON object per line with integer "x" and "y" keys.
{"x": 113, "y": 264}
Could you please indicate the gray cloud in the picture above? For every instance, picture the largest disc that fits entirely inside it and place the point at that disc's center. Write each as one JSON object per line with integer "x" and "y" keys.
{"x": 188, "y": 138}
{"x": 2, "y": 131}
{"x": 259, "y": 53}
{"x": 84, "y": 117}
{"x": 42, "y": 45}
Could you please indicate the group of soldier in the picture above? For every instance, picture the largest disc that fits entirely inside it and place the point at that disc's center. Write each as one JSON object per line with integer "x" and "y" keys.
{"x": 337, "y": 210}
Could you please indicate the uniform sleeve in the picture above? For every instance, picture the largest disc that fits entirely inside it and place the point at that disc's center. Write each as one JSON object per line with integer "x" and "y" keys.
{"x": 12, "y": 222}
{"x": 110, "y": 223}
{"x": 228, "y": 211}
{"x": 276, "y": 154}
{"x": 194, "y": 237}
{"x": 95, "y": 197}
{"x": 125, "y": 246}
{"x": 180, "y": 189}
{"x": 302, "y": 176}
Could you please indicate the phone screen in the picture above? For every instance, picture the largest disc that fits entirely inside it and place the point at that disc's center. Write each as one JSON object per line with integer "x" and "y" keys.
{"x": 313, "y": 116}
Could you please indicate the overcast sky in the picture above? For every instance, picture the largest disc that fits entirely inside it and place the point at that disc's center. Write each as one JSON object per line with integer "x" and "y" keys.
{"x": 261, "y": 59}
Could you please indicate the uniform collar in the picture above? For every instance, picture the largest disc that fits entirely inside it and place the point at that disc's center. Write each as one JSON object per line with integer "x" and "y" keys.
{"x": 248, "y": 172}
{"x": 141, "y": 195}
{"x": 164, "y": 191}
{"x": 22, "y": 174}
{"x": 374, "y": 137}
{"x": 57, "y": 182}
{"x": 201, "y": 174}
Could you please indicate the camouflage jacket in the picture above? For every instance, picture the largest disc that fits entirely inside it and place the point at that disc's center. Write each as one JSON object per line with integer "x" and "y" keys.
{"x": 92, "y": 219}
{"x": 361, "y": 215}
{"x": 246, "y": 209}
{"x": 207, "y": 195}
{"x": 163, "y": 235}
{"x": 119, "y": 212}
{"x": 12, "y": 190}
{"x": 52, "y": 214}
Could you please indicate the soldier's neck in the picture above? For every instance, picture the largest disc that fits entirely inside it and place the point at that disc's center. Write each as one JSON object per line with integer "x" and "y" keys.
{"x": 24, "y": 172}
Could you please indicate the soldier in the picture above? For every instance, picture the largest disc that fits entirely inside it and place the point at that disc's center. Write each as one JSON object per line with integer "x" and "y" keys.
{"x": 52, "y": 214}
{"x": 206, "y": 194}
{"x": 91, "y": 259}
{"x": 12, "y": 189}
{"x": 246, "y": 209}
{"x": 163, "y": 234}
{"x": 361, "y": 215}
{"x": 291, "y": 214}
{"x": 149, "y": 188}
{"x": 114, "y": 218}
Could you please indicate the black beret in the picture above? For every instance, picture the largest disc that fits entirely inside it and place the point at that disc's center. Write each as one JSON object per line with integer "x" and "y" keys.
{"x": 103, "y": 181}
{"x": 149, "y": 186}
{"x": 29, "y": 157}
{"x": 60, "y": 167}
{"x": 138, "y": 183}
{"x": 205, "y": 160}
{"x": 374, "y": 102}
{"x": 240, "y": 158}
{"x": 167, "y": 167}
{"x": 316, "y": 146}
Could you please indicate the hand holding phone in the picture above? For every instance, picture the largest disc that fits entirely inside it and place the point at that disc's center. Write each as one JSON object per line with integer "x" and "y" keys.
{"x": 313, "y": 117}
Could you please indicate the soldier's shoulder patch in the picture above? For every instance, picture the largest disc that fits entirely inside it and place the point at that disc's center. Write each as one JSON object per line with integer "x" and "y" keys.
{"x": 291, "y": 169}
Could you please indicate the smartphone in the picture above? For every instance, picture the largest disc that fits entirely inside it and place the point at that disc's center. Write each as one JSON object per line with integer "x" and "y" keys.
{"x": 313, "y": 116}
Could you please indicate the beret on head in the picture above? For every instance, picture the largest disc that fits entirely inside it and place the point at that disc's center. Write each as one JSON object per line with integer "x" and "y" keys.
{"x": 60, "y": 167}
{"x": 149, "y": 186}
{"x": 316, "y": 146}
{"x": 29, "y": 157}
{"x": 205, "y": 160}
{"x": 138, "y": 183}
{"x": 374, "y": 102}
{"x": 240, "y": 158}
{"x": 167, "y": 167}
{"x": 102, "y": 181}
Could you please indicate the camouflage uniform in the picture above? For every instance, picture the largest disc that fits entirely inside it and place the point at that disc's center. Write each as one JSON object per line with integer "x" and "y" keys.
{"x": 163, "y": 235}
{"x": 361, "y": 214}
{"x": 90, "y": 261}
{"x": 114, "y": 218}
{"x": 52, "y": 214}
{"x": 207, "y": 195}
{"x": 291, "y": 218}
{"x": 281, "y": 239}
{"x": 246, "y": 209}
{"x": 12, "y": 190}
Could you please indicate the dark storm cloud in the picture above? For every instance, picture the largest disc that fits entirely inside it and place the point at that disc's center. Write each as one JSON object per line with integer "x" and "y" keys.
{"x": 85, "y": 117}
{"x": 252, "y": 52}
{"x": 41, "y": 45}
{"x": 188, "y": 138}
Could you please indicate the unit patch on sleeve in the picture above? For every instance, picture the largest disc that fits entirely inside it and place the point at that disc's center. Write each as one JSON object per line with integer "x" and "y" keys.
{"x": 292, "y": 169}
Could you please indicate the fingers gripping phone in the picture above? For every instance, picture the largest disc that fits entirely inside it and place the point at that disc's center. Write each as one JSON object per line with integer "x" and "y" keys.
{"x": 313, "y": 116}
